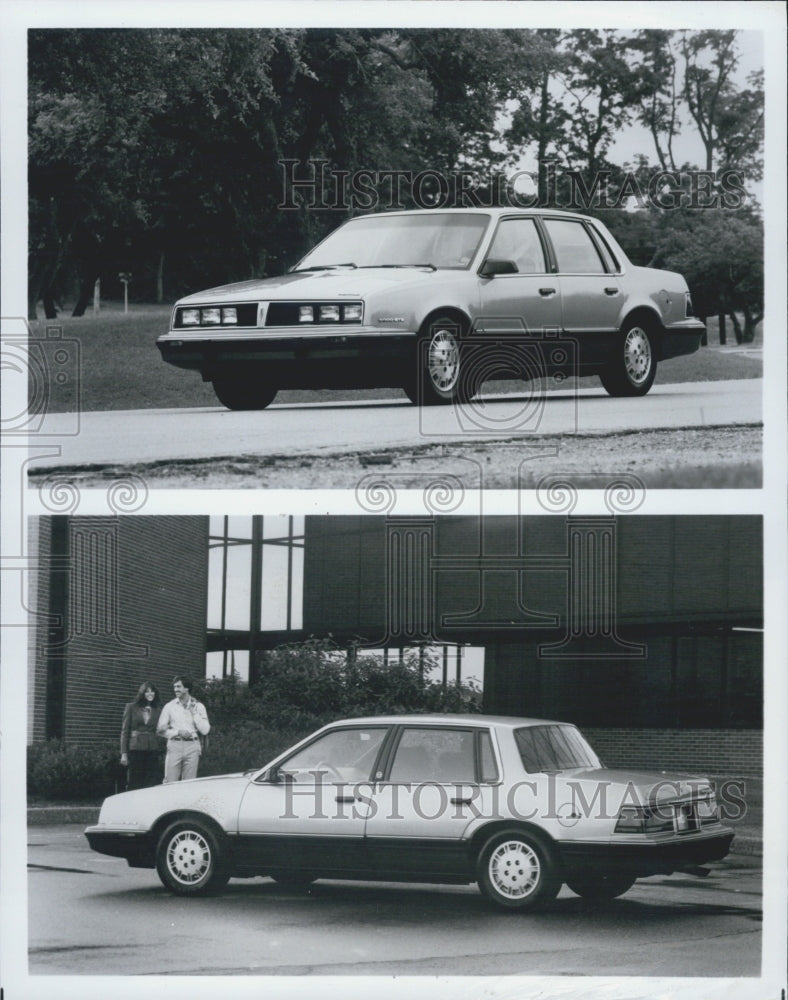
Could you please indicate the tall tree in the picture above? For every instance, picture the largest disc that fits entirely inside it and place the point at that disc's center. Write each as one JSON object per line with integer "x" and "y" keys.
{"x": 600, "y": 87}
{"x": 729, "y": 121}
{"x": 657, "y": 90}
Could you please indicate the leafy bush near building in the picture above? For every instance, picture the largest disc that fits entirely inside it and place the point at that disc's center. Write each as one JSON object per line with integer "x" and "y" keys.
{"x": 301, "y": 687}
{"x": 63, "y": 772}
{"x": 306, "y": 685}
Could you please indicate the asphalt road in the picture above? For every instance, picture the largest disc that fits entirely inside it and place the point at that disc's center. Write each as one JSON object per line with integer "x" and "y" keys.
{"x": 127, "y": 437}
{"x": 92, "y": 915}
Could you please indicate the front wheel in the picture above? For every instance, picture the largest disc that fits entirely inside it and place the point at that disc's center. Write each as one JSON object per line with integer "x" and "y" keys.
{"x": 601, "y": 887}
{"x": 189, "y": 859}
{"x": 440, "y": 377}
{"x": 633, "y": 366}
{"x": 239, "y": 392}
{"x": 516, "y": 872}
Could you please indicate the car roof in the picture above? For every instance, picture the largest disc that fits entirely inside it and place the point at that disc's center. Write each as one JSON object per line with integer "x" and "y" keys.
{"x": 443, "y": 719}
{"x": 472, "y": 210}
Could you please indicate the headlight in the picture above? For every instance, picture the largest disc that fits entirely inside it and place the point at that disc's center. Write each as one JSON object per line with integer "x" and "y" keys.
{"x": 329, "y": 314}
{"x": 640, "y": 819}
{"x": 230, "y": 315}
{"x": 352, "y": 313}
{"x": 190, "y": 317}
{"x": 306, "y": 314}
{"x": 211, "y": 316}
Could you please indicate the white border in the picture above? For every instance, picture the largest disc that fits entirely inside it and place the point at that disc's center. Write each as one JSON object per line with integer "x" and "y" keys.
{"x": 15, "y": 18}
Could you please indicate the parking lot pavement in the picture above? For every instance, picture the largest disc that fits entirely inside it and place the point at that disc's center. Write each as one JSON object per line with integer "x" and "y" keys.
{"x": 665, "y": 926}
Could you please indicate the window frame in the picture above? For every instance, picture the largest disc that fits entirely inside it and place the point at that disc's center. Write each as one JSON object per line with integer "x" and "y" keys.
{"x": 583, "y": 223}
{"x": 382, "y": 774}
{"x": 546, "y": 250}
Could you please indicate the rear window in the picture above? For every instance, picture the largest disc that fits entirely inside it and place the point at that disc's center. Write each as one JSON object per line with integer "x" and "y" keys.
{"x": 553, "y": 748}
{"x": 574, "y": 249}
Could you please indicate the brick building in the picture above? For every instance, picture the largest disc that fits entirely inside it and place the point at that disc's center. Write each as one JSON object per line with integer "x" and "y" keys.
{"x": 645, "y": 631}
{"x": 117, "y": 601}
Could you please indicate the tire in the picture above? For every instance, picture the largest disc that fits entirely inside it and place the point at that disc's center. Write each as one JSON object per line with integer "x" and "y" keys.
{"x": 515, "y": 871}
{"x": 634, "y": 365}
{"x": 239, "y": 392}
{"x": 440, "y": 378}
{"x": 602, "y": 886}
{"x": 190, "y": 860}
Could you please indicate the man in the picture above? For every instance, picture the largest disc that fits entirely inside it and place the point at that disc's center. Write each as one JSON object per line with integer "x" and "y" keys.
{"x": 182, "y": 722}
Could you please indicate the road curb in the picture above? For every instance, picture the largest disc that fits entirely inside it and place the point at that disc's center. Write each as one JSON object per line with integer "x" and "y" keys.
{"x": 55, "y": 815}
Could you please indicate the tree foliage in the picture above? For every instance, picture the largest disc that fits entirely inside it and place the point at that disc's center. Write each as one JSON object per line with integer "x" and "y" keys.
{"x": 159, "y": 152}
{"x": 304, "y": 686}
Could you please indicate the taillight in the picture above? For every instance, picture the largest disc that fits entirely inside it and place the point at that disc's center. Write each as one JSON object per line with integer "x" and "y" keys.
{"x": 641, "y": 819}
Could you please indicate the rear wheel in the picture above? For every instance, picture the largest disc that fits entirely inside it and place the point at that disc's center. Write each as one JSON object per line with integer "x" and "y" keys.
{"x": 517, "y": 872}
{"x": 633, "y": 366}
{"x": 601, "y": 886}
{"x": 189, "y": 859}
{"x": 240, "y": 392}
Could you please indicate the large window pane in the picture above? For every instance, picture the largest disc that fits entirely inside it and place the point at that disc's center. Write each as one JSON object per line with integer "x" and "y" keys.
{"x": 239, "y": 586}
{"x": 517, "y": 240}
{"x": 574, "y": 250}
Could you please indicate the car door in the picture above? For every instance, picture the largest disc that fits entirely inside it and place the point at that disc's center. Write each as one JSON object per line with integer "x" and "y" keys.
{"x": 436, "y": 782}
{"x": 591, "y": 292}
{"x": 527, "y": 300}
{"x": 519, "y": 316}
{"x": 308, "y": 813}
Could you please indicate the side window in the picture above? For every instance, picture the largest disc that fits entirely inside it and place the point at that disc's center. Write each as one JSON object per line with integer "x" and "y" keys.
{"x": 518, "y": 240}
{"x": 437, "y": 755}
{"x": 342, "y": 755}
{"x": 574, "y": 249}
{"x": 610, "y": 261}
{"x": 489, "y": 767}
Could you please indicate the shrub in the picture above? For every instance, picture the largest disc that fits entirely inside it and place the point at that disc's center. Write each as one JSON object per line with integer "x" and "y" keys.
{"x": 304, "y": 686}
{"x": 245, "y": 745}
{"x": 59, "y": 771}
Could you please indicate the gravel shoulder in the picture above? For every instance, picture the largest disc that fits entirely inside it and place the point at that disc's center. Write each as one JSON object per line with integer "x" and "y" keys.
{"x": 683, "y": 458}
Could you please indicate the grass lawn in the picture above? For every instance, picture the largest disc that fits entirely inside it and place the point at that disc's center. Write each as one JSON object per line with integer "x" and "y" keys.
{"x": 121, "y": 369}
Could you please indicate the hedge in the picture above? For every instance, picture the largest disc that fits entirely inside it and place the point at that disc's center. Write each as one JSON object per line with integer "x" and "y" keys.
{"x": 301, "y": 688}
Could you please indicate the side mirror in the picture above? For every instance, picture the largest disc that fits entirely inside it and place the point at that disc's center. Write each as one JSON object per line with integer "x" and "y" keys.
{"x": 493, "y": 266}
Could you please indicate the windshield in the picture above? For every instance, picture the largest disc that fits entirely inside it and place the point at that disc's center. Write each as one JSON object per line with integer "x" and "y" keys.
{"x": 553, "y": 748}
{"x": 435, "y": 239}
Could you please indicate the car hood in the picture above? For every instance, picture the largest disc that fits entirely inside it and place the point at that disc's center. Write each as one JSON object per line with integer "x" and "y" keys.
{"x": 217, "y": 796}
{"x": 321, "y": 285}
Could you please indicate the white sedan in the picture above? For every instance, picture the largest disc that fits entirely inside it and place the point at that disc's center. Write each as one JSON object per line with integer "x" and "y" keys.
{"x": 437, "y": 302}
{"x": 519, "y": 806}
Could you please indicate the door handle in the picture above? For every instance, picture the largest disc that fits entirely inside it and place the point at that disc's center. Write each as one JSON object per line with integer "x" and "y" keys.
{"x": 546, "y": 291}
{"x": 461, "y": 802}
{"x": 345, "y": 798}
{"x": 611, "y": 291}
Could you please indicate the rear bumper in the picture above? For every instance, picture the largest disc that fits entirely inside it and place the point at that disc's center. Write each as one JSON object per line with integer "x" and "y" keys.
{"x": 682, "y": 338}
{"x": 652, "y": 858}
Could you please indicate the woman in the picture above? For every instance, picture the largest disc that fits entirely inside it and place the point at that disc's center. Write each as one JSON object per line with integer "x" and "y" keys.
{"x": 140, "y": 747}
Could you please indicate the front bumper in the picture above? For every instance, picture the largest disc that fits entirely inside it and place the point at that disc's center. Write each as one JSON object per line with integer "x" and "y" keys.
{"x": 293, "y": 358}
{"x": 137, "y": 848}
{"x": 653, "y": 857}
